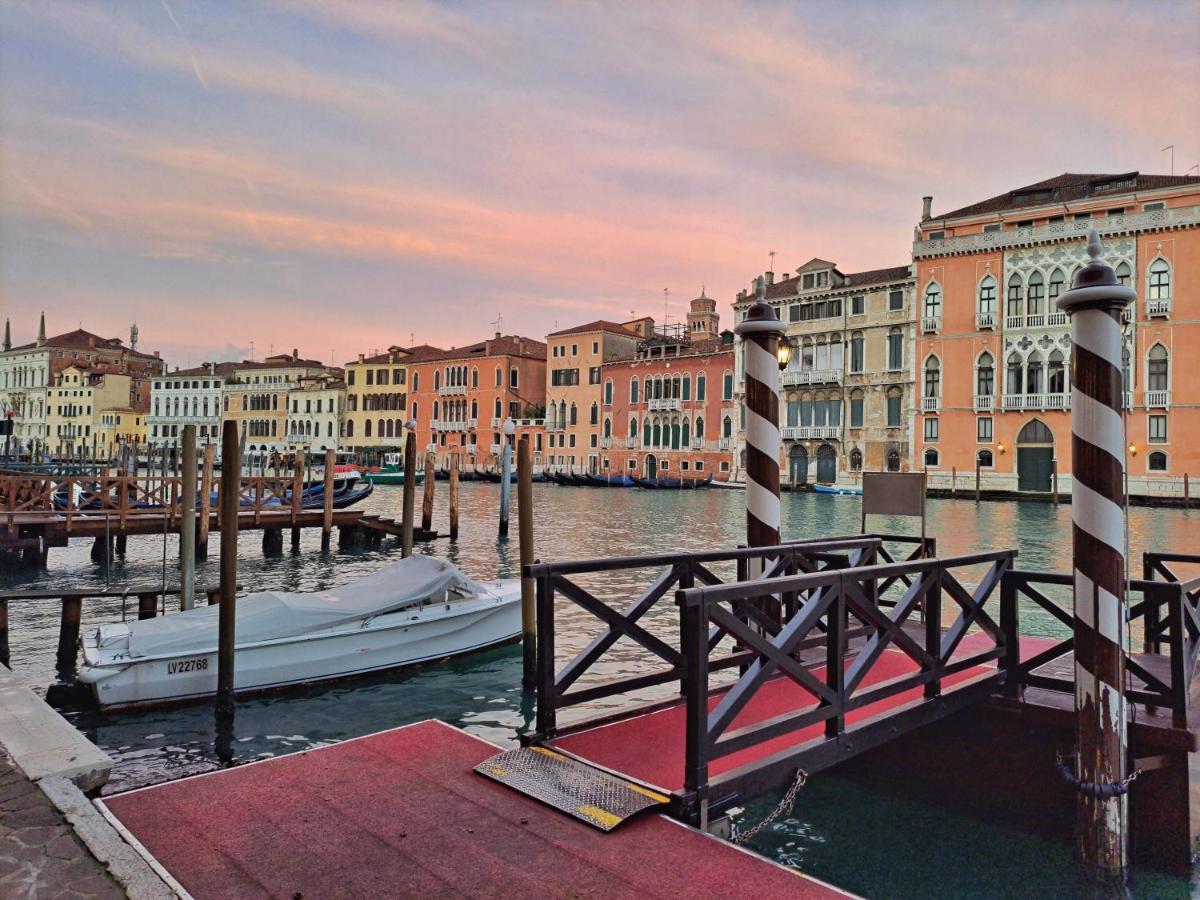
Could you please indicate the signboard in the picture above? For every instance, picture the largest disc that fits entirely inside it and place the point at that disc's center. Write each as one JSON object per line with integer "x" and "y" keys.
{"x": 893, "y": 494}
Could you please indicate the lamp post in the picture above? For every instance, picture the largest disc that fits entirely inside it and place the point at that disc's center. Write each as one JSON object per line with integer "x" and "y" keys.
{"x": 506, "y": 452}
{"x": 1094, "y": 304}
{"x": 760, "y": 331}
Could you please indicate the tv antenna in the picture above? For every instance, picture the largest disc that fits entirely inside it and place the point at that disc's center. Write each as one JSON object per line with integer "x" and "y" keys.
{"x": 771, "y": 267}
{"x": 252, "y": 351}
{"x": 666, "y": 315}
{"x": 1170, "y": 147}
{"x": 498, "y": 323}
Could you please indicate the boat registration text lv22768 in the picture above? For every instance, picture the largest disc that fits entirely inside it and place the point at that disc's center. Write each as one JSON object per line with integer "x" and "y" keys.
{"x": 187, "y": 665}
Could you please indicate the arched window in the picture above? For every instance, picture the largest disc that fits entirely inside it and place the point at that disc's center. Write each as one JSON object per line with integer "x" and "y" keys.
{"x": 857, "y": 352}
{"x": 699, "y": 428}
{"x": 475, "y": 409}
{"x": 1035, "y": 431}
{"x": 685, "y": 435}
{"x": 1056, "y": 285}
{"x": 894, "y": 410}
{"x": 416, "y": 386}
{"x": 1033, "y": 374}
{"x": 933, "y": 378}
{"x": 608, "y": 392}
{"x": 1036, "y": 294}
{"x": 633, "y": 427}
{"x": 499, "y": 377}
{"x": 646, "y": 433}
{"x": 893, "y": 460}
{"x": 1016, "y": 375}
{"x": 436, "y": 406}
{"x": 933, "y": 301}
{"x": 1159, "y": 282}
{"x": 595, "y": 414}
{"x": 574, "y": 414}
{"x": 389, "y": 426}
{"x": 895, "y": 350}
{"x": 1124, "y": 273}
{"x": 1016, "y": 296}
{"x": 987, "y": 297}
{"x": 855, "y": 463}
{"x": 687, "y": 387}
{"x": 856, "y": 408}
{"x": 633, "y": 390}
{"x": 349, "y": 428}
{"x": 437, "y": 381}
{"x": 1157, "y": 461}
{"x": 474, "y": 379}
{"x": 366, "y": 428}
{"x": 727, "y": 428}
{"x": 607, "y": 427}
{"x": 656, "y": 433}
{"x": 985, "y": 459}
{"x": 985, "y": 375}
{"x": 701, "y": 384}
{"x": 498, "y": 410}
{"x": 1158, "y": 369}
{"x": 931, "y": 457}
{"x": 1056, "y": 380}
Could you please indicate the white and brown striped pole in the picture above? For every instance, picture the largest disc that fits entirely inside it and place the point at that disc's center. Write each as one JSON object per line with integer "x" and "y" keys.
{"x": 1094, "y": 304}
{"x": 760, "y": 331}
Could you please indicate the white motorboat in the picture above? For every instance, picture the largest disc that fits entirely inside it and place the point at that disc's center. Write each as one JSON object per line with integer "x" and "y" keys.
{"x": 416, "y": 610}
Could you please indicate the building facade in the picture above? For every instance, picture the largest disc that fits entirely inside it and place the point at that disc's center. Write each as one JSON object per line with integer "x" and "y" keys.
{"x": 256, "y": 398}
{"x": 994, "y": 353}
{"x": 73, "y": 409}
{"x": 576, "y": 393}
{"x": 119, "y": 427}
{"x": 377, "y": 401}
{"x": 315, "y": 410}
{"x": 670, "y": 412}
{"x": 187, "y": 397}
{"x": 844, "y": 404}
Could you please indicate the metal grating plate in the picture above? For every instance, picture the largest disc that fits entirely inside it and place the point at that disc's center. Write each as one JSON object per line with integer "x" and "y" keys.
{"x": 596, "y": 797}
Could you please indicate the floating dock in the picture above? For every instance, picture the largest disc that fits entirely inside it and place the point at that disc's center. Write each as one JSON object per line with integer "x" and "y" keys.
{"x": 402, "y": 813}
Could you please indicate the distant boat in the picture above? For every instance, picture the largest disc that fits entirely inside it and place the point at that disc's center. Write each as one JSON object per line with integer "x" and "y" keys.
{"x": 610, "y": 480}
{"x": 837, "y": 489}
{"x": 666, "y": 483}
{"x": 728, "y": 485}
{"x": 415, "y": 610}
{"x": 392, "y": 471}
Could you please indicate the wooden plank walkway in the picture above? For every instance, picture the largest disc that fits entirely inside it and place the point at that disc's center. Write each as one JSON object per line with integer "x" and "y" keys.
{"x": 401, "y": 813}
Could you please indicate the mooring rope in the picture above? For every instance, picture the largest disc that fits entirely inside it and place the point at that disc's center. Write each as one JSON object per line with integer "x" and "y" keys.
{"x": 785, "y": 806}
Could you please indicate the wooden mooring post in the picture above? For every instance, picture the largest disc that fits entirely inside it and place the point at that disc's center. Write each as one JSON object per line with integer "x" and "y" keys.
{"x": 427, "y": 495}
{"x": 506, "y": 475}
{"x": 5, "y": 659}
{"x": 976, "y": 477}
{"x": 327, "y": 498}
{"x": 525, "y": 538}
{"x": 187, "y": 525}
{"x": 297, "y": 497}
{"x": 1094, "y": 305}
{"x": 226, "y": 623}
{"x": 410, "y": 488}
{"x": 206, "y": 486}
{"x": 68, "y": 631}
{"x": 453, "y": 496}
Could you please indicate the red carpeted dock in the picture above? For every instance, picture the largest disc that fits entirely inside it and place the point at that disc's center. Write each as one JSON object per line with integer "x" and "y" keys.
{"x": 402, "y": 814}
{"x": 650, "y": 748}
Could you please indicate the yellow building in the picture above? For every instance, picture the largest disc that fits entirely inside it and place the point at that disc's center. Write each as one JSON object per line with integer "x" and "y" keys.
{"x": 119, "y": 427}
{"x": 576, "y": 395}
{"x": 256, "y": 398}
{"x": 74, "y": 404}
{"x": 377, "y": 390}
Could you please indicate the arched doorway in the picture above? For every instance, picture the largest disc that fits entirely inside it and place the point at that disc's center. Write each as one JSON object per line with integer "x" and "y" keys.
{"x": 826, "y": 464}
{"x": 1035, "y": 455}
{"x": 651, "y": 466}
{"x": 798, "y": 465}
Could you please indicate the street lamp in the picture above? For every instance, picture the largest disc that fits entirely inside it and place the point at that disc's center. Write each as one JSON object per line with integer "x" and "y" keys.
{"x": 783, "y": 351}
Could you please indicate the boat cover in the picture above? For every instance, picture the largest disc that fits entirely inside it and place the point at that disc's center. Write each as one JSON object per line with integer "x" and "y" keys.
{"x": 269, "y": 615}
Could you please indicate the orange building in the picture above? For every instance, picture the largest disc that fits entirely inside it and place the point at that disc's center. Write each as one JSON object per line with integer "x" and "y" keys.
{"x": 993, "y": 355}
{"x": 460, "y": 397}
{"x": 574, "y": 392}
{"x": 672, "y": 410}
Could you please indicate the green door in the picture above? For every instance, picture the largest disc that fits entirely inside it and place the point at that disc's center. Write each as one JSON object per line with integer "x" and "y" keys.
{"x": 651, "y": 466}
{"x": 1033, "y": 468}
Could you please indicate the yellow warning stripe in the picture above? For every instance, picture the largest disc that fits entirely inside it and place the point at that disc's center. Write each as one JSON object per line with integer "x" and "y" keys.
{"x": 646, "y": 792}
{"x": 547, "y": 752}
{"x": 604, "y": 817}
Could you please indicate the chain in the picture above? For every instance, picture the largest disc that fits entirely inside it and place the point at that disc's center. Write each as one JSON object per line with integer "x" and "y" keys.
{"x": 785, "y": 806}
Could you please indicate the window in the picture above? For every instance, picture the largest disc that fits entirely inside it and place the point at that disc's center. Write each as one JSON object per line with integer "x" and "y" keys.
{"x": 633, "y": 391}
{"x": 1160, "y": 280}
{"x": 855, "y": 459}
{"x": 514, "y": 378}
{"x": 1123, "y": 274}
{"x": 987, "y": 296}
{"x": 701, "y": 383}
{"x": 595, "y": 415}
{"x": 983, "y": 429}
{"x": 931, "y": 457}
{"x": 1016, "y": 295}
{"x": 1056, "y": 381}
{"x": 933, "y": 301}
{"x": 858, "y": 305}
{"x": 985, "y": 376}
{"x": 595, "y": 347}
{"x": 727, "y": 390}
{"x": 991, "y": 227}
{"x": 794, "y": 312}
{"x": 1037, "y": 292}
{"x": 857, "y": 352}
{"x": 1033, "y": 374}
{"x": 896, "y": 300}
{"x": 1157, "y": 429}
{"x": 1157, "y": 461}
{"x": 594, "y": 375}
{"x": 1016, "y": 375}
{"x": 931, "y": 429}
{"x": 984, "y": 458}
{"x": 933, "y": 378}
{"x": 608, "y": 392}
{"x": 1157, "y": 369}
{"x": 1152, "y": 207}
{"x": 893, "y": 408}
{"x": 893, "y": 461}
{"x": 1057, "y": 279}
{"x": 574, "y": 349}
{"x": 416, "y": 384}
{"x": 856, "y": 409}
{"x": 895, "y": 350}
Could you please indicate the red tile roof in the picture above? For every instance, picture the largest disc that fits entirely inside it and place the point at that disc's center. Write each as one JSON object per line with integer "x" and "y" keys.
{"x": 789, "y": 286}
{"x": 80, "y": 339}
{"x": 222, "y": 368}
{"x": 1071, "y": 186}
{"x": 598, "y": 325}
{"x": 504, "y": 345}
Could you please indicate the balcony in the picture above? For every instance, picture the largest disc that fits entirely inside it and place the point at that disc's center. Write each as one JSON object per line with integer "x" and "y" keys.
{"x": 452, "y": 390}
{"x": 985, "y": 320}
{"x": 1056, "y": 401}
{"x": 984, "y": 403}
{"x": 1035, "y": 320}
{"x": 631, "y": 443}
{"x": 810, "y": 432}
{"x": 1037, "y": 401}
{"x": 1057, "y": 231}
{"x": 1158, "y": 399}
{"x": 1056, "y": 319}
{"x": 793, "y": 377}
{"x": 930, "y": 404}
{"x": 931, "y": 324}
{"x": 605, "y": 443}
{"x": 1012, "y": 323}
{"x": 496, "y": 420}
{"x": 697, "y": 443}
{"x": 726, "y": 443}
{"x": 471, "y": 423}
{"x": 495, "y": 449}
{"x": 664, "y": 404}
{"x": 556, "y": 426}
{"x": 1158, "y": 307}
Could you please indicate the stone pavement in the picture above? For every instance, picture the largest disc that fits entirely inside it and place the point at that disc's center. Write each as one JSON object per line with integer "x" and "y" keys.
{"x": 40, "y": 856}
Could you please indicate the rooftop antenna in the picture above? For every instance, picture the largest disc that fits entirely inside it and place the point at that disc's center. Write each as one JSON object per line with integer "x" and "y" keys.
{"x": 771, "y": 268}
{"x": 1170, "y": 147}
{"x": 412, "y": 339}
{"x": 666, "y": 294}
{"x": 1195, "y": 168}
{"x": 270, "y": 349}
{"x": 252, "y": 351}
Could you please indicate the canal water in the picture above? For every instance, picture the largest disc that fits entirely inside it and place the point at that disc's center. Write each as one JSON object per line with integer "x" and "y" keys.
{"x": 852, "y": 834}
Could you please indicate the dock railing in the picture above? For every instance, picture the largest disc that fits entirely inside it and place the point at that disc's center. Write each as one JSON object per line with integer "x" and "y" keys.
{"x": 1167, "y": 612}
{"x": 828, "y": 603}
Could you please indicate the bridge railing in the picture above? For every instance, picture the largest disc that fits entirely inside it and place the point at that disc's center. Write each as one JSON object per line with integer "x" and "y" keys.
{"x": 1170, "y": 619}
{"x": 838, "y": 683}
{"x": 557, "y": 688}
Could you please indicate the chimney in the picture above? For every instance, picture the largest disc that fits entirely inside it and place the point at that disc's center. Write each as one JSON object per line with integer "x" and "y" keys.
{"x": 295, "y": 353}
{"x": 497, "y": 335}
{"x": 770, "y": 278}
{"x": 926, "y": 209}
{"x": 362, "y": 357}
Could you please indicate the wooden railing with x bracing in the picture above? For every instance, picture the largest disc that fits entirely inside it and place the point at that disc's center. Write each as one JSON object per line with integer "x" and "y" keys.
{"x": 1168, "y": 611}
{"x": 843, "y": 679}
{"x": 556, "y": 689}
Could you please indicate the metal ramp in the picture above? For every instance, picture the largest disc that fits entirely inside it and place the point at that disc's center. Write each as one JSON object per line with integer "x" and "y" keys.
{"x": 587, "y": 793}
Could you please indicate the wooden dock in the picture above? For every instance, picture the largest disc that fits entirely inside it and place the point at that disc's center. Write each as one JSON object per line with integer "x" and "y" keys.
{"x": 401, "y": 813}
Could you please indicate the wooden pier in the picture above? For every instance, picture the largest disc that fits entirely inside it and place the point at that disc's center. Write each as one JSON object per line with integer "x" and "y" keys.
{"x": 401, "y": 813}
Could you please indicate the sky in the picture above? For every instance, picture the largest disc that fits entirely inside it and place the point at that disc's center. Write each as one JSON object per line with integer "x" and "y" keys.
{"x": 339, "y": 177}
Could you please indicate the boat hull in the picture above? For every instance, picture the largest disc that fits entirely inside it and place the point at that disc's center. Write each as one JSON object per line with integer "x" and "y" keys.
{"x": 404, "y": 638}
{"x": 834, "y": 489}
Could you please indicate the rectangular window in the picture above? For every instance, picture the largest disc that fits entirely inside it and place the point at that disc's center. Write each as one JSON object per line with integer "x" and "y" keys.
{"x": 595, "y": 347}
{"x": 895, "y": 299}
{"x": 893, "y": 412}
{"x": 991, "y": 228}
{"x": 594, "y": 375}
{"x": 1157, "y": 431}
{"x": 1082, "y": 217}
{"x": 858, "y": 305}
{"x": 931, "y": 430}
{"x": 895, "y": 351}
{"x": 808, "y": 282}
{"x": 983, "y": 429}
{"x": 794, "y": 312}
{"x": 856, "y": 412}
{"x": 857, "y": 353}
{"x": 1151, "y": 207}
{"x": 728, "y": 386}
{"x": 574, "y": 349}
{"x": 937, "y": 235}
{"x": 1118, "y": 211}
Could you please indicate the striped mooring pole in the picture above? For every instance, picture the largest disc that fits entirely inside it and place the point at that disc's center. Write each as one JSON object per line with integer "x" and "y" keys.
{"x": 760, "y": 331}
{"x": 1094, "y": 304}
